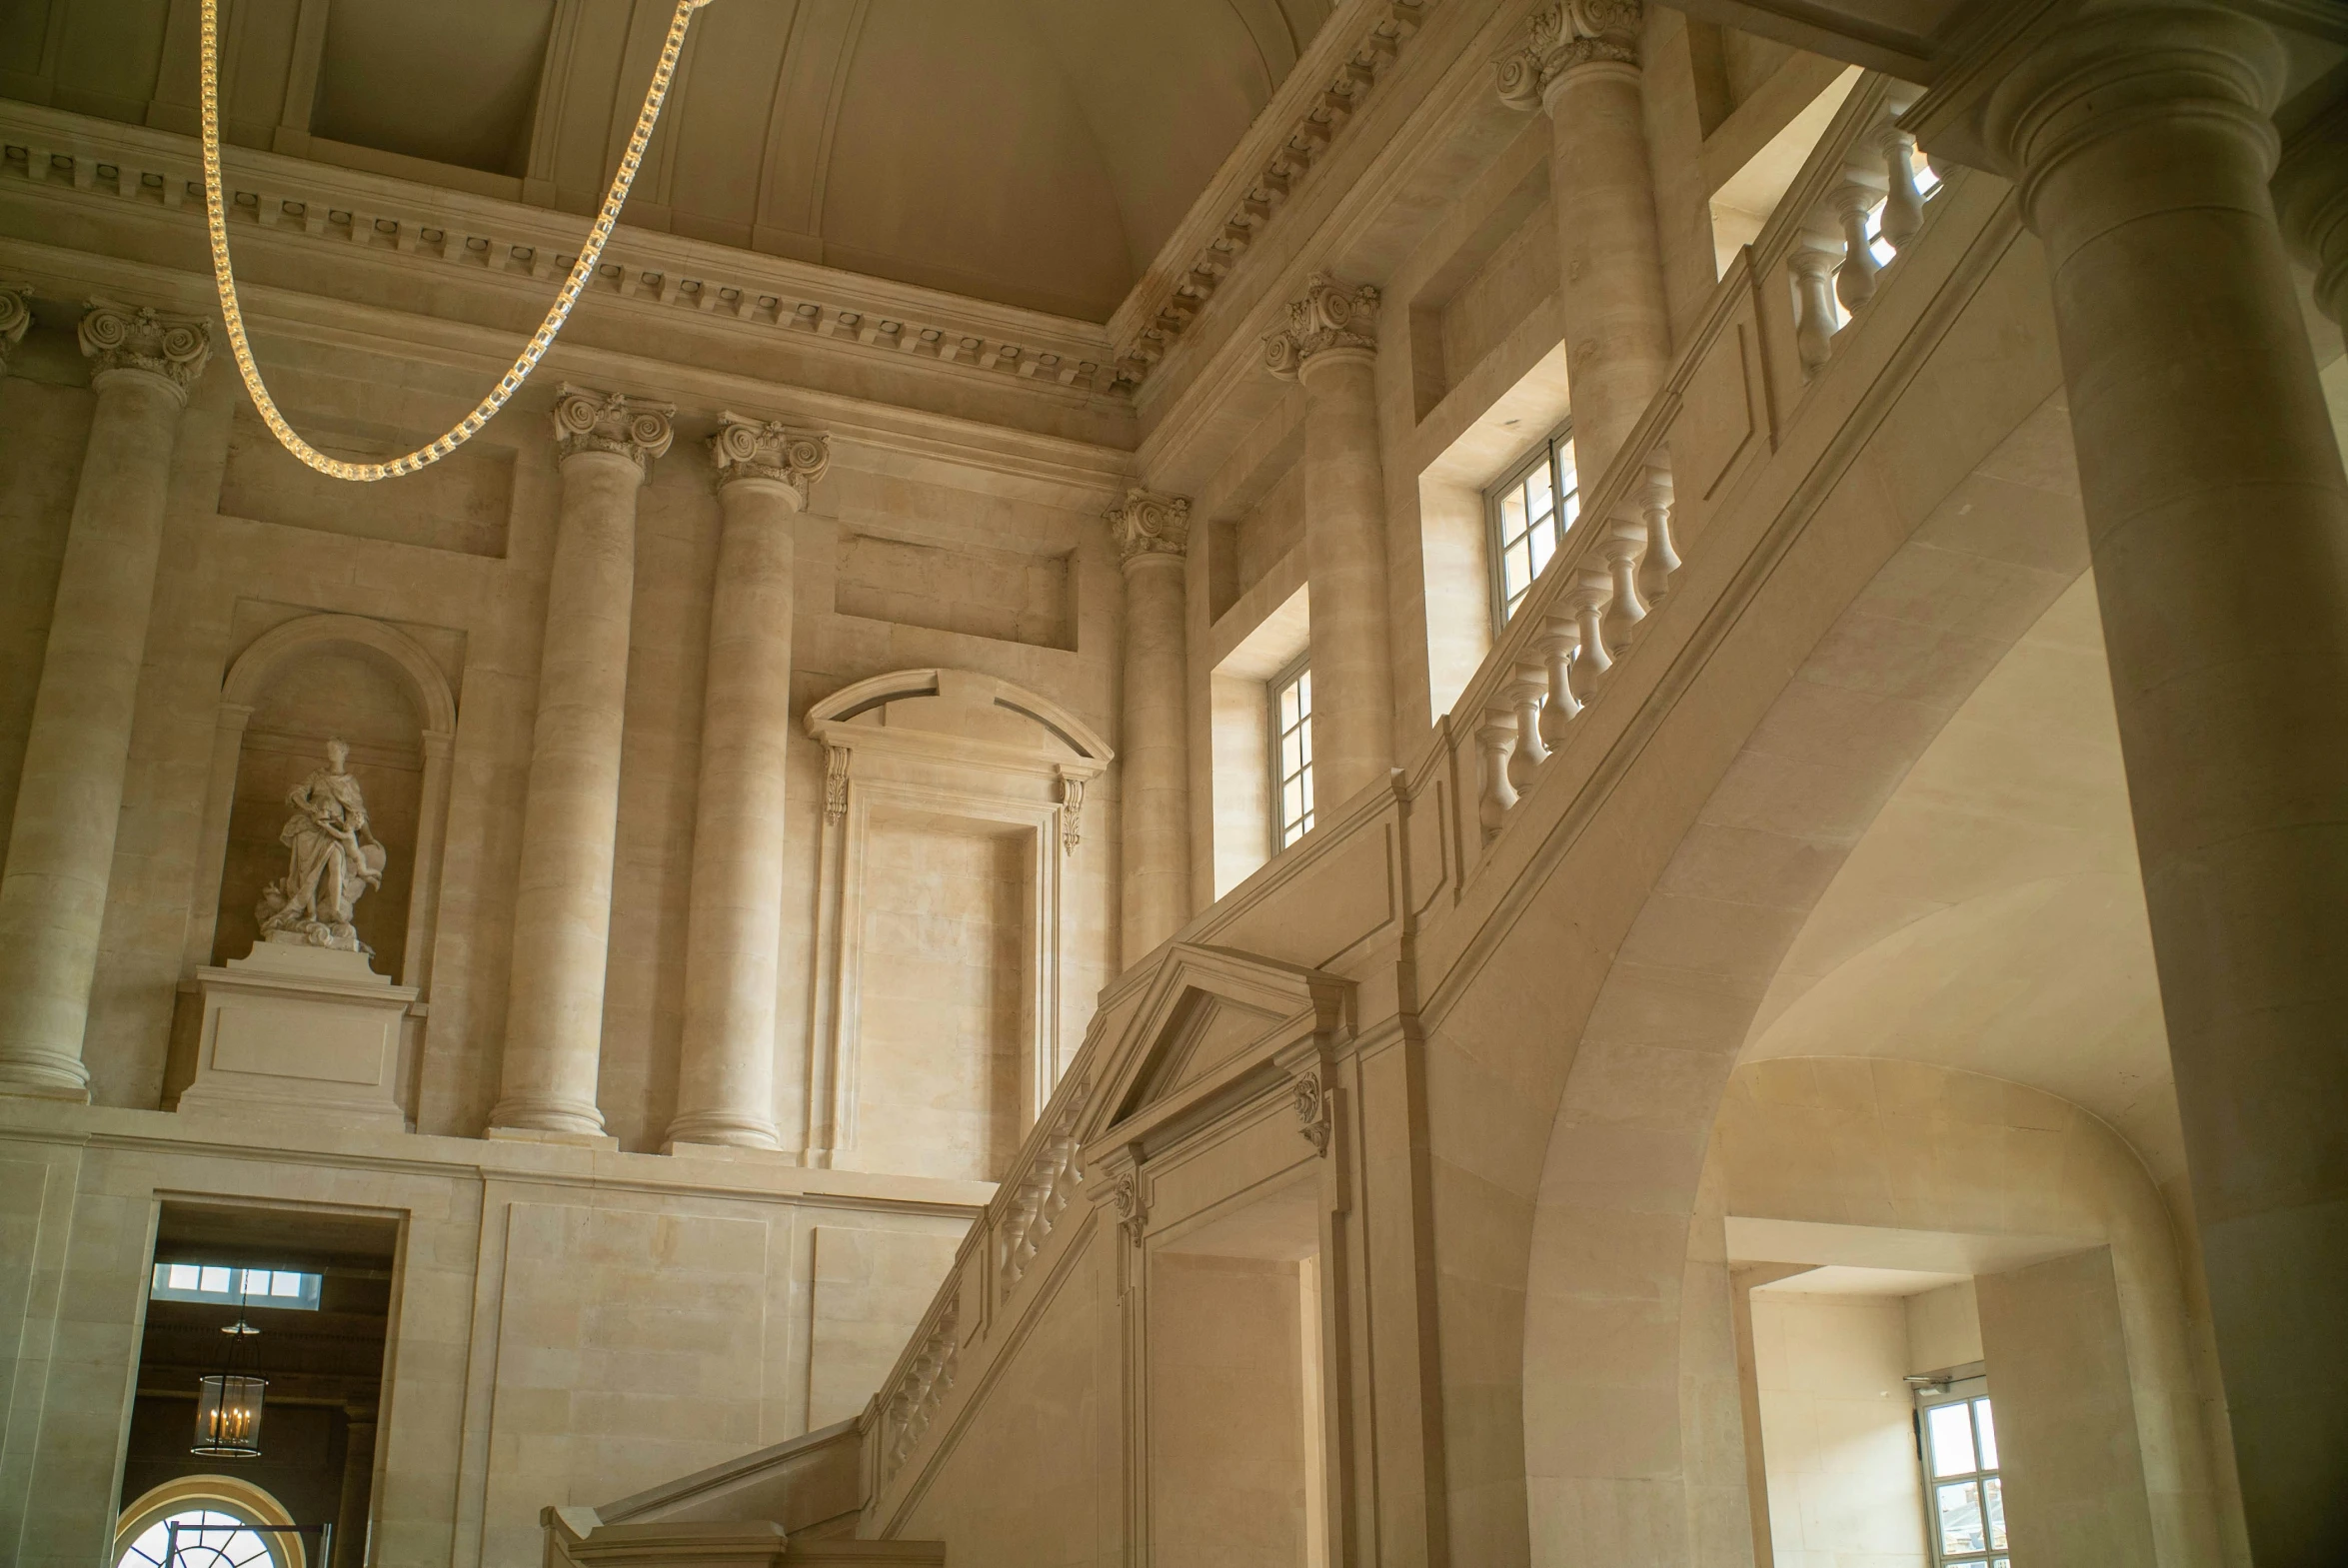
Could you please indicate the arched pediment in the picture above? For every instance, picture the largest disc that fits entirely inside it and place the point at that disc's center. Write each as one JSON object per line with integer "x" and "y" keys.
{"x": 959, "y": 709}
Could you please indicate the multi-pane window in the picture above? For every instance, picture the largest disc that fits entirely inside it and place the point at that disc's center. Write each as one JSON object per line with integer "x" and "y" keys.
{"x": 1964, "y": 1500}
{"x": 1529, "y": 514}
{"x": 1291, "y": 755}
{"x": 229, "y": 1285}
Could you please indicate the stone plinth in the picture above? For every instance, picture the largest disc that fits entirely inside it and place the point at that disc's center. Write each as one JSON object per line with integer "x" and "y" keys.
{"x": 310, "y": 1030}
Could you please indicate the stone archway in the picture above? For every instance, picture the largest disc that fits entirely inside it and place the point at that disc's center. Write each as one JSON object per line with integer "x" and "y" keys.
{"x": 1625, "y": 1313}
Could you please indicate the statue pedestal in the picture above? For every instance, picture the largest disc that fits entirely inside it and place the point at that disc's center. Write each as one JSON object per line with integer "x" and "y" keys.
{"x": 308, "y": 1031}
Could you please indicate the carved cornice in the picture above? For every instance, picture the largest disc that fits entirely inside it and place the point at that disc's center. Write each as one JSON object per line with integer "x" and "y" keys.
{"x": 1560, "y": 38}
{"x": 1330, "y": 316}
{"x": 16, "y": 315}
{"x": 1150, "y": 523}
{"x": 591, "y": 421}
{"x": 764, "y": 449}
{"x": 1302, "y": 124}
{"x": 172, "y": 349}
{"x": 275, "y": 197}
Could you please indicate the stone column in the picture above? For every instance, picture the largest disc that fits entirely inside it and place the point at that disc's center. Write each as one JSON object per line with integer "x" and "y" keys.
{"x": 1152, "y": 535}
{"x": 2311, "y": 198}
{"x": 606, "y": 445}
{"x": 2217, "y": 514}
{"x": 725, "y": 1073}
{"x": 1330, "y": 345}
{"x": 1580, "y": 61}
{"x": 61, "y": 844}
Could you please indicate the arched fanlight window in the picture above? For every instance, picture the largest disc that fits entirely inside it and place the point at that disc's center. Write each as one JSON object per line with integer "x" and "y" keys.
{"x": 214, "y": 1514}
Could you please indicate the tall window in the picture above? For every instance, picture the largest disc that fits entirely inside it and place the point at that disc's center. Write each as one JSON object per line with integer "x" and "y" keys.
{"x": 1291, "y": 755}
{"x": 1964, "y": 1500}
{"x": 1529, "y": 514}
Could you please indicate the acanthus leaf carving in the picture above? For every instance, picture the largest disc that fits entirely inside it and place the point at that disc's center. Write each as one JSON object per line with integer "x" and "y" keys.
{"x": 1558, "y": 39}
{"x": 1313, "y": 1110}
{"x": 1072, "y": 812}
{"x": 835, "y": 784}
{"x": 1150, "y": 523}
{"x": 1330, "y": 316}
{"x": 766, "y": 450}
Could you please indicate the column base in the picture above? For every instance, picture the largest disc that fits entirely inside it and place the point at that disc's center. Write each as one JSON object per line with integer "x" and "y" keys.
{"x": 686, "y": 1148}
{"x": 707, "y": 1129}
{"x": 569, "y": 1140}
{"x": 30, "y": 1083}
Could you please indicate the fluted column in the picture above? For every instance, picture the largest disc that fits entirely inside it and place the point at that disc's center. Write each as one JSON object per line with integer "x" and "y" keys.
{"x": 61, "y": 844}
{"x": 1153, "y": 535}
{"x": 2217, "y": 512}
{"x": 1330, "y": 345}
{"x": 725, "y": 1073}
{"x": 1580, "y": 61}
{"x": 606, "y": 445}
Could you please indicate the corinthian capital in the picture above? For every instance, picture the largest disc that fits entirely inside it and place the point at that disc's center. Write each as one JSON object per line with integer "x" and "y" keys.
{"x": 1562, "y": 37}
{"x": 761, "y": 449}
{"x": 1330, "y": 316}
{"x": 1150, "y": 523}
{"x": 121, "y": 337}
{"x": 590, "y": 421}
{"x": 16, "y": 315}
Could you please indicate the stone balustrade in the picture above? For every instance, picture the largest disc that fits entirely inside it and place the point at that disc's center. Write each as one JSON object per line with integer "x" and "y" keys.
{"x": 1857, "y": 192}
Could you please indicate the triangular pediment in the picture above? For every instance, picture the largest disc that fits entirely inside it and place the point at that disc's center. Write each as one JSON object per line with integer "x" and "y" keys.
{"x": 1210, "y": 1015}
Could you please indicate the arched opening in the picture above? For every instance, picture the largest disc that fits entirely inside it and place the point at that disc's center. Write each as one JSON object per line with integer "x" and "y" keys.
{"x": 212, "y": 1514}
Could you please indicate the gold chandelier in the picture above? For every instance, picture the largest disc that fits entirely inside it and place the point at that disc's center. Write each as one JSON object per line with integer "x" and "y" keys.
{"x": 216, "y": 215}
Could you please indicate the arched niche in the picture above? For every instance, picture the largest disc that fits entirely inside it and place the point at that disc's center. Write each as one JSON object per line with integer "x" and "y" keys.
{"x": 321, "y": 677}
{"x": 952, "y": 800}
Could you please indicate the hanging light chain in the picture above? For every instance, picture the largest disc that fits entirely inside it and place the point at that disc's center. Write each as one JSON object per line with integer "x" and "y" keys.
{"x": 590, "y": 256}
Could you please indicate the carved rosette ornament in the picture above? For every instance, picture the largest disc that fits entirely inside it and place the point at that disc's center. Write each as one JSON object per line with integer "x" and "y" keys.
{"x": 1561, "y": 38}
{"x": 1330, "y": 316}
{"x": 16, "y": 315}
{"x": 119, "y": 338}
{"x": 1150, "y": 523}
{"x": 764, "y": 449}
{"x": 591, "y": 421}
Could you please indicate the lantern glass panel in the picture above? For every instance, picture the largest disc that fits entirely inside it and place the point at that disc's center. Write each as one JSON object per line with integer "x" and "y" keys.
{"x": 228, "y": 1415}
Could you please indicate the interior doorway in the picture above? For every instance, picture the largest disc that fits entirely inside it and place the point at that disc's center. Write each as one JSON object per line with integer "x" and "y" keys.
{"x": 314, "y": 1291}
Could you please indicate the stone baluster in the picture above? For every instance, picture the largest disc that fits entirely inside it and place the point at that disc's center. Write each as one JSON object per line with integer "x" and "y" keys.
{"x": 1624, "y": 543}
{"x": 1152, "y": 535}
{"x": 1559, "y": 639}
{"x": 16, "y": 315}
{"x": 1903, "y": 205}
{"x": 1587, "y": 599}
{"x": 1854, "y": 280}
{"x": 1328, "y": 346}
{"x": 1814, "y": 319}
{"x": 69, "y": 796}
{"x": 2141, "y": 144}
{"x": 1525, "y": 690}
{"x": 734, "y": 930}
{"x": 1656, "y": 505}
{"x": 606, "y": 445}
{"x": 1579, "y": 60}
{"x": 1495, "y": 737}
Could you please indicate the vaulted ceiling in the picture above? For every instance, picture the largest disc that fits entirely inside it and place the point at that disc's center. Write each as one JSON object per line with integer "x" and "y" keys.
{"x": 1031, "y": 152}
